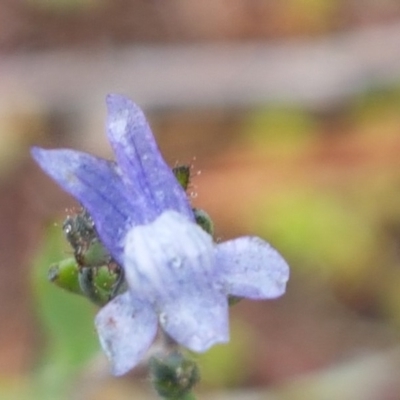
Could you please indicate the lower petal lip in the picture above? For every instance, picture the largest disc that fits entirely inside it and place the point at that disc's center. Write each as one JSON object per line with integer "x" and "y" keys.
{"x": 126, "y": 328}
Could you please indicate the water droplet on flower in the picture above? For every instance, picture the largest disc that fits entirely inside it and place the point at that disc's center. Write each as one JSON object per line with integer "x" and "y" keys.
{"x": 219, "y": 286}
{"x": 163, "y": 318}
{"x": 176, "y": 262}
{"x": 160, "y": 194}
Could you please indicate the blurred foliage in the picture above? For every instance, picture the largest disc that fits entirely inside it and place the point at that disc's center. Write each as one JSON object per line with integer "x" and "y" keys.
{"x": 67, "y": 326}
{"x": 375, "y": 121}
{"x": 230, "y": 364}
{"x": 280, "y": 130}
{"x": 375, "y": 105}
{"x": 18, "y": 131}
{"x": 67, "y": 323}
{"x": 337, "y": 214}
{"x": 318, "y": 231}
{"x": 64, "y": 6}
{"x": 311, "y": 16}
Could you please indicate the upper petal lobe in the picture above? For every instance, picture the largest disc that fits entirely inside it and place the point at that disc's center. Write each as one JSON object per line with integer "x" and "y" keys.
{"x": 153, "y": 185}
{"x": 96, "y": 184}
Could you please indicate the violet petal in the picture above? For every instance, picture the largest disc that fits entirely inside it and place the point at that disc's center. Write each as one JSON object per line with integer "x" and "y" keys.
{"x": 250, "y": 267}
{"x": 126, "y": 328}
{"x": 196, "y": 319}
{"x": 96, "y": 184}
{"x": 172, "y": 262}
{"x": 150, "y": 180}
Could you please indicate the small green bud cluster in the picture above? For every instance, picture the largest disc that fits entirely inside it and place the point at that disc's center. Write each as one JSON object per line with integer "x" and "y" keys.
{"x": 92, "y": 271}
{"x": 173, "y": 375}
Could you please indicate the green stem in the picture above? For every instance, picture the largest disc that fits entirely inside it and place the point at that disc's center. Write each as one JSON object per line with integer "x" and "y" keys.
{"x": 187, "y": 396}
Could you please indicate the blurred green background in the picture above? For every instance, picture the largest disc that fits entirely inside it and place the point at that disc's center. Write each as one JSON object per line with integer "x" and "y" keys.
{"x": 288, "y": 113}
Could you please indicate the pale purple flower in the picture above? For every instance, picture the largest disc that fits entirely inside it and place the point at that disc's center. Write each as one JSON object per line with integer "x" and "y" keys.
{"x": 177, "y": 276}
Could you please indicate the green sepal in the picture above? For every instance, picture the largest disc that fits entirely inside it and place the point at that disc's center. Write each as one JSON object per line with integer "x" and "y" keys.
{"x": 94, "y": 255}
{"x": 95, "y": 283}
{"x": 64, "y": 274}
{"x": 232, "y": 300}
{"x": 89, "y": 288}
{"x": 173, "y": 375}
{"x": 100, "y": 285}
{"x": 182, "y": 174}
{"x": 106, "y": 278}
{"x": 204, "y": 220}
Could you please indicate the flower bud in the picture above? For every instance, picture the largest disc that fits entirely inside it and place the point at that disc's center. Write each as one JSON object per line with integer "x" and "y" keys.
{"x": 204, "y": 220}
{"x": 64, "y": 274}
{"x": 82, "y": 236}
{"x": 173, "y": 375}
{"x": 182, "y": 174}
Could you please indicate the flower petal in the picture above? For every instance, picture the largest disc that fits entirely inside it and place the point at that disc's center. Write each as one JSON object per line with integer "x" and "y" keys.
{"x": 154, "y": 187}
{"x": 197, "y": 319}
{"x": 126, "y": 328}
{"x": 250, "y": 267}
{"x": 96, "y": 184}
{"x": 172, "y": 262}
